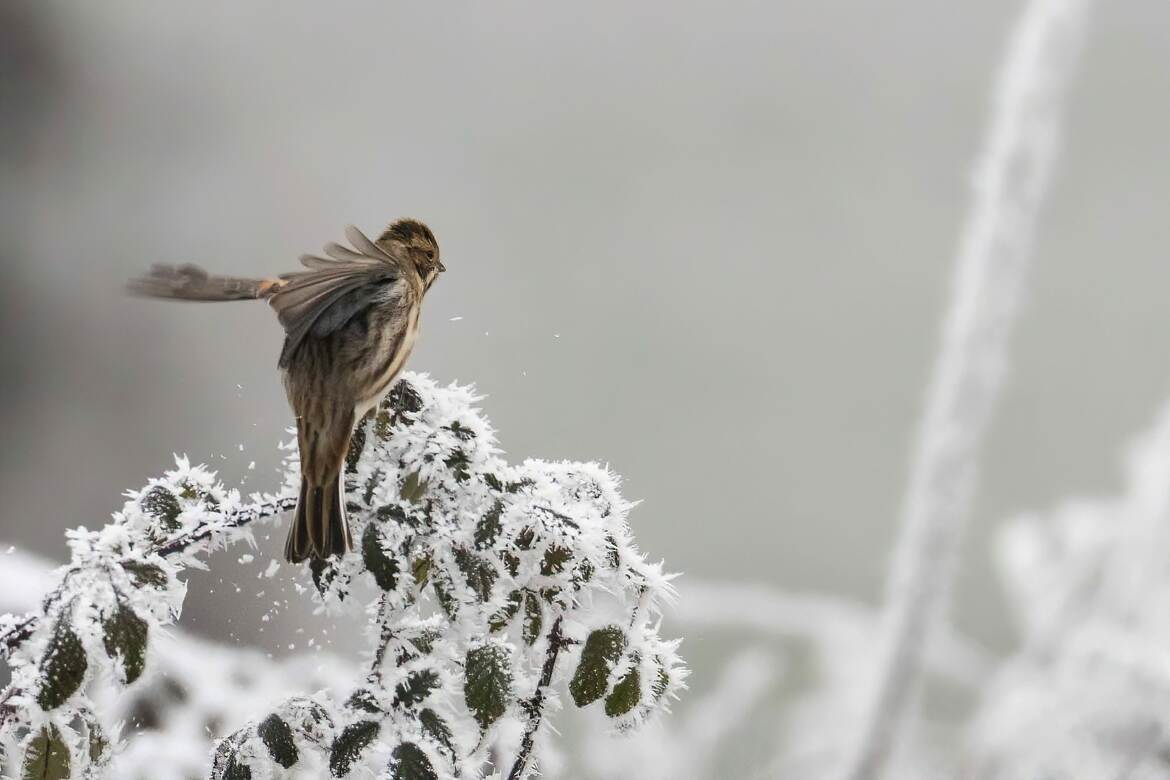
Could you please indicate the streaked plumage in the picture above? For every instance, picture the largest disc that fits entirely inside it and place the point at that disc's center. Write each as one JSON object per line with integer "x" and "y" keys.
{"x": 351, "y": 320}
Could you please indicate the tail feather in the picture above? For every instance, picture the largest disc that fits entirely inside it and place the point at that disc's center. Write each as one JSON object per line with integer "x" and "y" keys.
{"x": 320, "y": 528}
{"x": 296, "y": 546}
{"x": 192, "y": 283}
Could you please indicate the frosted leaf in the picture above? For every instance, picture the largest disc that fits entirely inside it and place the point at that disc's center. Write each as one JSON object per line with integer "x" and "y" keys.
{"x": 602, "y": 650}
{"x": 46, "y": 756}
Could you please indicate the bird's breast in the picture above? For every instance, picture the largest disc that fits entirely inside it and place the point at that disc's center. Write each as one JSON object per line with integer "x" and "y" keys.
{"x": 395, "y": 343}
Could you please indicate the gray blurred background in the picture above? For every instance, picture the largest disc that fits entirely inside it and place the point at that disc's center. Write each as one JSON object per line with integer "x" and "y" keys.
{"x": 706, "y": 243}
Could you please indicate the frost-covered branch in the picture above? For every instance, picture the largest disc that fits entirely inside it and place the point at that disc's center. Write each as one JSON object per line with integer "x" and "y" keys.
{"x": 483, "y": 574}
{"x": 990, "y": 268}
{"x": 204, "y": 534}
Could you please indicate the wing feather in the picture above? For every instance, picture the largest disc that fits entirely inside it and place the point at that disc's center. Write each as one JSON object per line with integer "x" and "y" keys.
{"x": 365, "y": 245}
{"x": 345, "y": 307}
{"x": 315, "y": 263}
{"x": 339, "y": 252}
{"x": 322, "y": 300}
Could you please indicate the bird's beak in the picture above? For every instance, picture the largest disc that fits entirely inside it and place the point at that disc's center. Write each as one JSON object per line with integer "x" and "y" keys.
{"x": 442, "y": 267}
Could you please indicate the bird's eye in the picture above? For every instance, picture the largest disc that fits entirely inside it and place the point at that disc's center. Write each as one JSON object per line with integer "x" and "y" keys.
{"x": 430, "y": 254}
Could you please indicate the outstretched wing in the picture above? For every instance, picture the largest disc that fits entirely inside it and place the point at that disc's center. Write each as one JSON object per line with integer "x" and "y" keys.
{"x": 332, "y": 292}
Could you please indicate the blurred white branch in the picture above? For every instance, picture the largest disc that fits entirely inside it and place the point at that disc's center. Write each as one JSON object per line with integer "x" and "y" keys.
{"x": 833, "y": 625}
{"x": 1088, "y": 692}
{"x": 990, "y": 269}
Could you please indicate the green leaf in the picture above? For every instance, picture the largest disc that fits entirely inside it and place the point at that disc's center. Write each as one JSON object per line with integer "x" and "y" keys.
{"x": 323, "y": 574}
{"x": 555, "y": 558}
{"x": 479, "y": 572}
{"x": 458, "y": 462}
{"x": 512, "y": 562}
{"x": 350, "y": 744}
{"x": 62, "y": 666}
{"x": 504, "y": 615}
{"x": 602, "y": 650}
{"x": 404, "y": 398}
{"x": 525, "y": 538}
{"x": 383, "y": 425}
{"x": 413, "y": 488}
{"x": 409, "y": 762}
{"x": 533, "y": 617}
{"x": 162, "y": 505}
{"x": 227, "y": 764}
{"x": 416, "y": 687}
{"x": 237, "y": 769}
{"x": 307, "y": 718}
{"x": 46, "y": 756}
{"x": 278, "y": 738}
{"x": 516, "y": 487}
{"x": 436, "y": 728}
{"x": 420, "y": 567}
{"x": 372, "y": 483}
{"x": 494, "y": 482}
{"x": 661, "y": 681}
{"x": 424, "y": 642}
{"x": 357, "y": 445}
{"x": 442, "y": 588}
{"x": 461, "y": 433}
{"x": 626, "y": 694}
{"x": 363, "y": 699}
{"x": 487, "y": 687}
{"x": 613, "y": 557}
{"x": 395, "y": 513}
{"x": 125, "y": 638}
{"x": 382, "y": 566}
{"x": 145, "y": 574}
{"x": 489, "y": 526}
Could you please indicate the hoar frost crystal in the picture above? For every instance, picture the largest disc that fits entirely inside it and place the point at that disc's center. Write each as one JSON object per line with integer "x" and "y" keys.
{"x": 495, "y": 587}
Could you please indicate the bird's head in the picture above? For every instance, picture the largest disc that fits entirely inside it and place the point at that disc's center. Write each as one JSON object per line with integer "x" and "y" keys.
{"x": 415, "y": 243}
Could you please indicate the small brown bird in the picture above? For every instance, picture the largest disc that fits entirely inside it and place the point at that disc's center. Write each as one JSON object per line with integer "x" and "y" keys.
{"x": 350, "y": 321}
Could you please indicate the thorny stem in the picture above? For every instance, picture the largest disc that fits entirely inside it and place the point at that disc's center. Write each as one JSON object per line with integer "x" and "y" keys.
{"x": 534, "y": 706}
{"x": 386, "y": 634}
{"x": 16, "y": 635}
{"x": 13, "y": 637}
{"x": 237, "y": 519}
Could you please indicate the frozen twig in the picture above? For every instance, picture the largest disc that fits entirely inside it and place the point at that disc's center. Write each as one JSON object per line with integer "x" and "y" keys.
{"x": 990, "y": 269}
{"x": 534, "y": 707}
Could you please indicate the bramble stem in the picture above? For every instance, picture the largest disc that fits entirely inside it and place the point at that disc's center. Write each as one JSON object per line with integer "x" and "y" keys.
{"x": 534, "y": 707}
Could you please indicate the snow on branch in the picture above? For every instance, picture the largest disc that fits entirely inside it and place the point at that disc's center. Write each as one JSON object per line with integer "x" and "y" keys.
{"x": 494, "y": 586}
